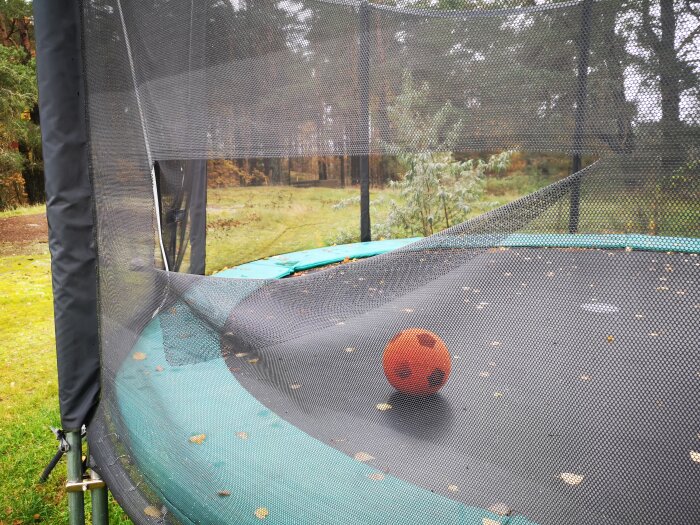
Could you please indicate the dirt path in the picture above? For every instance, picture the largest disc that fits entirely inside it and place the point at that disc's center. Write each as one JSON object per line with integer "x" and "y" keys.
{"x": 23, "y": 234}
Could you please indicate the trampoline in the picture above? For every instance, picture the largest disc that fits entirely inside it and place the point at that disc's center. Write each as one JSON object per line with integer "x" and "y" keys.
{"x": 546, "y": 395}
{"x": 570, "y": 316}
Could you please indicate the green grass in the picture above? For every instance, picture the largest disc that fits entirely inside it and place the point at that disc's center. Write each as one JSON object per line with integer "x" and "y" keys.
{"x": 28, "y": 395}
{"x": 24, "y": 210}
{"x": 245, "y": 224}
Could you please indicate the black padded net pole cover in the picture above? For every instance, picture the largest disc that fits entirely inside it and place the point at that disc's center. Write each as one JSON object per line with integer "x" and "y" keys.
{"x": 69, "y": 208}
{"x": 575, "y": 383}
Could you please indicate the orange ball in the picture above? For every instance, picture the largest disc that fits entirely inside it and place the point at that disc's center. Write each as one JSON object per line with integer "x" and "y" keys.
{"x": 416, "y": 362}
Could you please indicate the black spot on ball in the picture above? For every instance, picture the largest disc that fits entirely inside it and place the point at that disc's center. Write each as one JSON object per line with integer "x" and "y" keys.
{"x": 436, "y": 378}
{"x": 403, "y": 370}
{"x": 426, "y": 340}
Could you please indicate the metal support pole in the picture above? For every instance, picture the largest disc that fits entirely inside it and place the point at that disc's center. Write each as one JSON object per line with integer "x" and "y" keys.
{"x": 363, "y": 82}
{"x": 98, "y": 497}
{"x": 76, "y": 500}
{"x": 584, "y": 47}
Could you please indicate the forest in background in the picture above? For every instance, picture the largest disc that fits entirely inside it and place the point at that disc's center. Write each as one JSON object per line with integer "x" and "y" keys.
{"x": 652, "y": 26}
{"x": 21, "y": 167}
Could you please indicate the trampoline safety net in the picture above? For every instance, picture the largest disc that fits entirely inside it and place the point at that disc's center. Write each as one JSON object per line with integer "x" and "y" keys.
{"x": 571, "y": 315}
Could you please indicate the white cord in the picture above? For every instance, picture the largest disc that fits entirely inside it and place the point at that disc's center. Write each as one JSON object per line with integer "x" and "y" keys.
{"x": 156, "y": 207}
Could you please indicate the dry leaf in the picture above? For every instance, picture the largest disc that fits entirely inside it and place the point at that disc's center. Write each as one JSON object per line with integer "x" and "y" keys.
{"x": 224, "y": 493}
{"x": 610, "y": 339}
{"x": 383, "y": 407}
{"x": 571, "y": 479}
{"x": 139, "y": 356}
{"x": 349, "y": 349}
{"x": 294, "y": 386}
{"x": 695, "y": 456}
{"x": 453, "y": 488}
{"x": 376, "y": 476}
{"x": 500, "y": 508}
{"x": 261, "y": 513}
{"x": 152, "y": 512}
{"x": 489, "y": 521}
{"x": 497, "y": 394}
{"x": 242, "y": 435}
{"x": 253, "y": 360}
{"x": 363, "y": 456}
{"x": 159, "y": 368}
{"x": 585, "y": 378}
{"x": 241, "y": 354}
{"x": 199, "y": 439}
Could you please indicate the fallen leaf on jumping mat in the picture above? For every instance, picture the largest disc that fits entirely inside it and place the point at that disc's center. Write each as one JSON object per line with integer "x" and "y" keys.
{"x": 571, "y": 479}
{"x": 152, "y": 512}
{"x": 261, "y": 513}
{"x": 363, "y": 456}
{"x": 139, "y": 356}
{"x": 199, "y": 439}
{"x": 501, "y": 509}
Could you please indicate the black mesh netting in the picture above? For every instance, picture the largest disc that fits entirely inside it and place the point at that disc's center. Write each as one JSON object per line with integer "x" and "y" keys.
{"x": 571, "y": 315}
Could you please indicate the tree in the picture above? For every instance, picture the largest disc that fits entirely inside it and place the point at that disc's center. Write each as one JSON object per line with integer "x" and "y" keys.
{"x": 21, "y": 173}
{"x": 436, "y": 190}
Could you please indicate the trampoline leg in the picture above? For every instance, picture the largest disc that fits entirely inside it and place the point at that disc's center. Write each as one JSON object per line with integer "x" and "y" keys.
{"x": 100, "y": 515}
{"x": 76, "y": 509}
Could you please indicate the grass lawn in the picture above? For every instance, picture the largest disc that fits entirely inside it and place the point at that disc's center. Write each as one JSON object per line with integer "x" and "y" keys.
{"x": 244, "y": 224}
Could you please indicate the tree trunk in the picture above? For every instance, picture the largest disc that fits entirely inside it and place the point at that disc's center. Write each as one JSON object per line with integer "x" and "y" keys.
{"x": 341, "y": 160}
{"x": 669, "y": 77}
